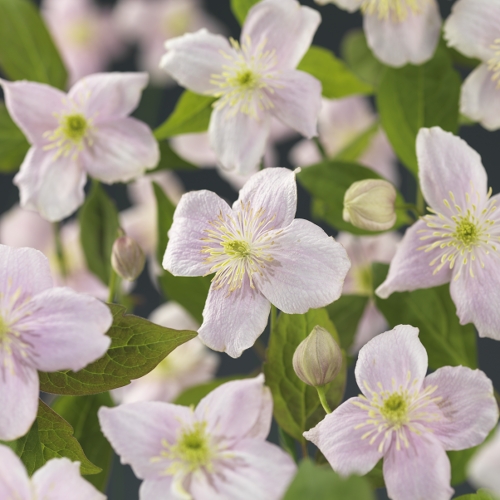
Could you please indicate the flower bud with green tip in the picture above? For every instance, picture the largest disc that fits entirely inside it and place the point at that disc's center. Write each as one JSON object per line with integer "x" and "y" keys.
{"x": 127, "y": 258}
{"x": 369, "y": 204}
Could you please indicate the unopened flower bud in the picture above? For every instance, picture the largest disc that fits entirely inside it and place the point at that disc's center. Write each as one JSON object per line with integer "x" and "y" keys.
{"x": 318, "y": 358}
{"x": 369, "y": 204}
{"x": 127, "y": 258}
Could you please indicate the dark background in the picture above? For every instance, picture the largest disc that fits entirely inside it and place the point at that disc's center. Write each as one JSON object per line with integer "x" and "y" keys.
{"x": 336, "y": 23}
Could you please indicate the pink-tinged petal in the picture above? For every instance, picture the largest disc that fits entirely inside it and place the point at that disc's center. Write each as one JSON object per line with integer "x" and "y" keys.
{"x": 109, "y": 95}
{"x": 51, "y": 186}
{"x": 307, "y": 271}
{"x": 339, "y": 436}
{"x": 194, "y": 148}
{"x": 60, "y": 479}
{"x": 19, "y": 388}
{"x": 484, "y": 465}
{"x": 297, "y": 101}
{"x": 304, "y": 153}
{"x": 239, "y": 141}
{"x": 256, "y": 469}
{"x": 194, "y": 58}
{"x": 410, "y": 269}
{"x": 480, "y": 98}
{"x": 472, "y": 27}
{"x": 467, "y": 403}
{"x": 152, "y": 489}
{"x": 121, "y": 151}
{"x": 286, "y": 27}
{"x": 394, "y": 359}
{"x": 275, "y": 191}
{"x": 192, "y": 219}
{"x": 372, "y": 323}
{"x": 447, "y": 163}
{"x": 237, "y": 410}
{"x": 421, "y": 471}
{"x": 32, "y": 106}
{"x": 64, "y": 329}
{"x": 136, "y": 431}
{"x": 349, "y": 5}
{"x": 14, "y": 481}
{"x": 380, "y": 157}
{"x": 413, "y": 40}
{"x": 223, "y": 328}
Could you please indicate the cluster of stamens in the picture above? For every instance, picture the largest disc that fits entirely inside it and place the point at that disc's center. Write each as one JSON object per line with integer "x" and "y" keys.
{"x": 494, "y": 63}
{"x": 393, "y": 10}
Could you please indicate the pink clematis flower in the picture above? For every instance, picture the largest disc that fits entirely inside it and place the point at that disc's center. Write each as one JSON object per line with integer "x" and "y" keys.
{"x": 407, "y": 418}
{"x": 459, "y": 241}
{"x": 484, "y": 466}
{"x": 259, "y": 254}
{"x": 58, "y": 479}
{"x": 217, "y": 450}
{"x": 42, "y": 327}
{"x": 398, "y": 31}
{"x": 87, "y": 131}
{"x": 342, "y": 121}
{"x": 253, "y": 81}
{"x": 473, "y": 28}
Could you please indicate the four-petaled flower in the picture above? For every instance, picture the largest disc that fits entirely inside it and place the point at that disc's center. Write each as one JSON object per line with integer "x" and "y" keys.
{"x": 407, "y": 418}
{"x": 259, "y": 254}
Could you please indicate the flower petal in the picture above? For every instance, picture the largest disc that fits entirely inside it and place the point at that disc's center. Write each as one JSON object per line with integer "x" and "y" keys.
{"x": 480, "y": 98}
{"x": 339, "y": 436}
{"x": 380, "y": 157}
{"x": 121, "y": 151}
{"x": 394, "y": 358}
{"x": 238, "y": 140}
{"x": 307, "y": 271}
{"x": 53, "y": 187}
{"x": 192, "y": 218}
{"x": 109, "y": 95}
{"x": 297, "y": 101}
{"x": 410, "y": 268}
{"x": 467, "y": 403}
{"x": 371, "y": 323}
{"x": 193, "y": 59}
{"x": 286, "y": 27}
{"x": 154, "y": 489}
{"x": 420, "y": 471}
{"x": 349, "y": 5}
{"x": 136, "y": 431}
{"x": 60, "y": 479}
{"x": 237, "y": 410}
{"x": 413, "y": 40}
{"x": 447, "y": 163}
{"x": 232, "y": 323}
{"x": 14, "y": 481}
{"x": 483, "y": 467}
{"x": 64, "y": 329}
{"x": 32, "y": 106}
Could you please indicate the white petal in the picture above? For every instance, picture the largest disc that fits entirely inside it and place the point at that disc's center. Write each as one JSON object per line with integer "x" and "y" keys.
{"x": 14, "y": 481}
{"x": 484, "y": 465}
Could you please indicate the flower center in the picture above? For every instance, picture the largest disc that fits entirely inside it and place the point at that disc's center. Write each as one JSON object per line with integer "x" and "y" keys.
{"x": 494, "y": 63}
{"x": 4, "y": 329}
{"x": 237, "y": 248}
{"x": 81, "y": 33}
{"x": 395, "y": 409}
{"x": 396, "y": 11}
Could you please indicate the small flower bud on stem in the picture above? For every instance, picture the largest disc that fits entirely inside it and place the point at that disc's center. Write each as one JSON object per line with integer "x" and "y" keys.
{"x": 127, "y": 258}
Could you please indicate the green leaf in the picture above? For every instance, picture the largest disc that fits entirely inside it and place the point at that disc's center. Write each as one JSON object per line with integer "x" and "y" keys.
{"x": 322, "y": 483}
{"x": 434, "y": 313}
{"x": 193, "y": 395}
{"x": 191, "y": 114}
{"x": 376, "y": 475}
{"x": 360, "y": 59}
{"x": 137, "y": 346}
{"x": 27, "y": 51}
{"x": 296, "y": 405}
{"x": 482, "y": 494}
{"x": 165, "y": 215}
{"x": 81, "y": 413}
{"x": 170, "y": 160}
{"x": 13, "y": 144}
{"x": 335, "y": 77}
{"x": 327, "y": 183}
{"x": 99, "y": 225}
{"x": 358, "y": 146}
{"x": 240, "y": 8}
{"x": 413, "y": 97}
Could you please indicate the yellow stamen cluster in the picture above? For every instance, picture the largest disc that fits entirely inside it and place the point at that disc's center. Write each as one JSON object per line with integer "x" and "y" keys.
{"x": 494, "y": 63}
{"x": 394, "y": 10}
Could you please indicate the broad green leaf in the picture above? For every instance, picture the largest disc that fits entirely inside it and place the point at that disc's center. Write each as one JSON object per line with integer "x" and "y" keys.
{"x": 434, "y": 313}
{"x": 81, "y": 413}
{"x": 413, "y": 97}
{"x": 288, "y": 443}
{"x": 193, "y": 395}
{"x": 137, "y": 346}
{"x": 327, "y": 183}
{"x": 322, "y": 483}
{"x": 360, "y": 59}
{"x": 481, "y": 494}
{"x": 99, "y": 225}
{"x": 376, "y": 475}
{"x": 296, "y": 405}
{"x": 13, "y": 144}
{"x": 170, "y": 160}
{"x": 240, "y": 8}
{"x": 27, "y": 51}
{"x": 165, "y": 214}
{"x": 335, "y": 77}
{"x": 358, "y": 146}
{"x": 191, "y": 114}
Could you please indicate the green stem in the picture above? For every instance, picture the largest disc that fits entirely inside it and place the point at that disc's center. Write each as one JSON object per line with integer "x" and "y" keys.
{"x": 260, "y": 349}
{"x": 113, "y": 285}
{"x": 410, "y": 207}
{"x": 321, "y": 149}
{"x": 420, "y": 201}
{"x": 322, "y": 398}
{"x": 63, "y": 268}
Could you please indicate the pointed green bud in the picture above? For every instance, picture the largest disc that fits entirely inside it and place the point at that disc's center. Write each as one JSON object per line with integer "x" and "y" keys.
{"x": 318, "y": 358}
{"x": 127, "y": 258}
{"x": 369, "y": 204}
